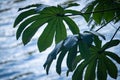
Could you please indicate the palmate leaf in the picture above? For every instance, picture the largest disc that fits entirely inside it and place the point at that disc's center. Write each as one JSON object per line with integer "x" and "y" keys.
{"x": 36, "y": 19}
{"x": 61, "y": 48}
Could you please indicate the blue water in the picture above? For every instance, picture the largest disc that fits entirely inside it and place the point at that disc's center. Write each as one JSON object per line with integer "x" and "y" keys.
{"x": 19, "y": 62}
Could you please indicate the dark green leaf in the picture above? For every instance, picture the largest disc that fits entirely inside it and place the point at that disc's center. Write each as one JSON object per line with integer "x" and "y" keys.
{"x": 60, "y": 31}
{"x": 101, "y": 70}
{"x": 74, "y": 12}
{"x": 96, "y": 34}
{"x": 48, "y": 64}
{"x": 111, "y": 44}
{"x": 98, "y": 42}
{"x": 113, "y": 56}
{"x": 87, "y": 38}
{"x": 76, "y": 61}
{"x": 59, "y": 61}
{"x": 72, "y": 25}
{"x": 98, "y": 16}
{"x": 52, "y": 56}
{"x": 78, "y": 74}
{"x": 29, "y": 6}
{"x": 46, "y": 38}
{"x": 89, "y": 9}
{"x": 84, "y": 50}
{"x": 24, "y": 24}
{"x": 111, "y": 68}
{"x": 108, "y": 15}
{"x": 71, "y": 57}
{"x": 31, "y": 30}
{"x": 23, "y": 15}
{"x": 91, "y": 70}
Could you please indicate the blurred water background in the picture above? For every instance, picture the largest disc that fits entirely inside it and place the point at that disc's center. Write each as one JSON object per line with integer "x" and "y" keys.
{"x": 19, "y": 62}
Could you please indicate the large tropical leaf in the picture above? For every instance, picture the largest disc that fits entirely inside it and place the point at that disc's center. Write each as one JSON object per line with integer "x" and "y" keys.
{"x": 35, "y": 18}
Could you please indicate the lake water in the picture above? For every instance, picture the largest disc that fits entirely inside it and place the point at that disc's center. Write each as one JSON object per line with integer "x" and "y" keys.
{"x": 18, "y": 62}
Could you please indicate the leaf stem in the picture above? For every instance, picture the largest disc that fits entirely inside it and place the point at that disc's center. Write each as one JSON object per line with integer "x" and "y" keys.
{"x": 115, "y": 33}
{"x": 106, "y": 24}
{"x": 100, "y": 11}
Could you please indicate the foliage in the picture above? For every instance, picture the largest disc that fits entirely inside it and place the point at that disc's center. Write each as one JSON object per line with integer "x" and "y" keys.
{"x": 86, "y": 54}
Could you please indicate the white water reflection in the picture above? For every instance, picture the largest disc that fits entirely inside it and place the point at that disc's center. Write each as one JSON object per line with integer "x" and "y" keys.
{"x": 18, "y": 62}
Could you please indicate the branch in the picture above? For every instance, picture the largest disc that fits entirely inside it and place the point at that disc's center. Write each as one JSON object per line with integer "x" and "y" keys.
{"x": 115, "y": 33}
{"x": 106, "y": 23}
{"x": 100, "y": 11}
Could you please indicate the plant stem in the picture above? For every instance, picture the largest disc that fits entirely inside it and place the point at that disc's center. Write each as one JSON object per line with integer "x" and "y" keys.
{"x": 115, "y": 33}
{"x": 106, "y": 24}
{"x": 100, "y": 11}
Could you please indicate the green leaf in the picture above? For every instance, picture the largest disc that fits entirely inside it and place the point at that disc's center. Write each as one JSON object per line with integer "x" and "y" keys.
{"x": 46, "y": 38}
{"x": 48, "y": 64}
{"x": 98, "y": 42}
{"x": 52, "y": 56}
{"x": 89, "y": 9}
{"x": 71, "y": 57}
{"x": 113, "y": 56}
{"x": 101, "y": 69}
{"x": 78, "y": 74}
{"x": 96, "y": 34}
{"x": 98, "y": 16}
{"x": 76, "y": 61}
{"x": 59, "y": 61}
{"x": 24, "y": 24}
{"x": 108, "y": 15}
{"x": 31, "y": 30}
{"x": 29, "y": 6}
{"x": 87, "y": 38}
{"x": 72, "y": 25}
{"x": 60, "y": 31}
{"x": 23, "y": 15}
{"x": 91, "y": 70}
{"x": 110, "y": 44}
{"x": 73, "y": 12}
{"x": 111, "y": 68}
{"x": 84, "y": 50}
